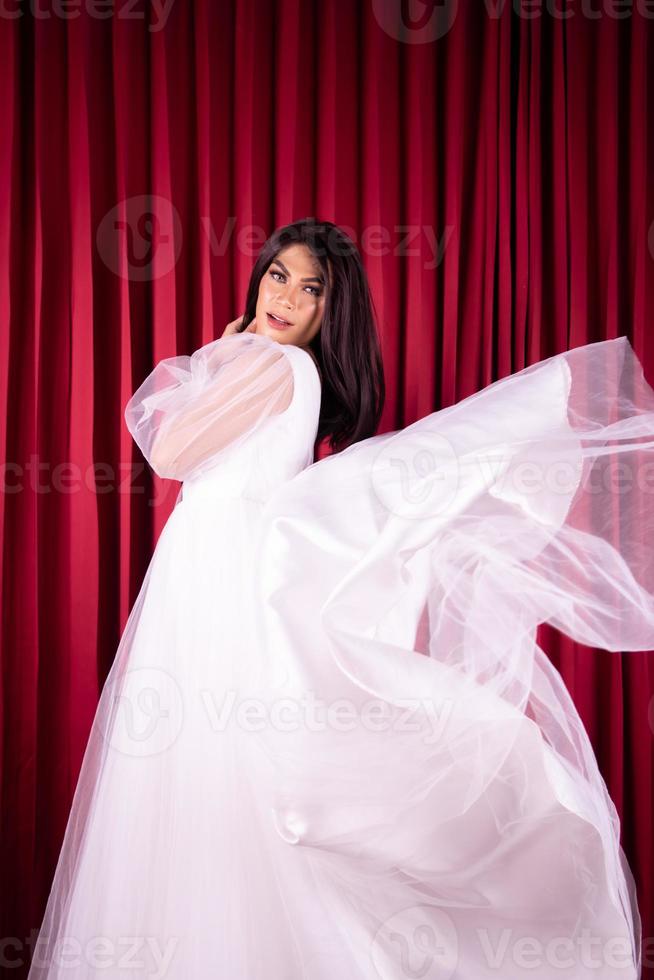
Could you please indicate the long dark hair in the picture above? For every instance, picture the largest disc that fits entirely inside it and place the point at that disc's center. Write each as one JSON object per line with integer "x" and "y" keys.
{"x": 347, "y": 345}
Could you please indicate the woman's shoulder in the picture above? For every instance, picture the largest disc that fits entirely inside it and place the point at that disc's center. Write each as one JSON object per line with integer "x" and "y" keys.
{"x": 300, "y": 357}
{"x": 310, "y": 354}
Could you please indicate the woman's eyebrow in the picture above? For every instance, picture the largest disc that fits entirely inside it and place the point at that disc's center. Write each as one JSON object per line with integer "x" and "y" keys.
{"x": 306, "y": 279}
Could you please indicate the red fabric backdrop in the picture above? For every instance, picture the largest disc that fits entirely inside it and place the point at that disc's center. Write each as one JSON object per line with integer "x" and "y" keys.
{"x": 493, "y": 164}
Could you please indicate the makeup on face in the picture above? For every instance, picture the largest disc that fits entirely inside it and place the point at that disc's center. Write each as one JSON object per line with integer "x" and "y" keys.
{"x": 291, "y": 297}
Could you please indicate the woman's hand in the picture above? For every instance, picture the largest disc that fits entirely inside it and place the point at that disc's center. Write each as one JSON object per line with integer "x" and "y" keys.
{"x": 234, "y": 326}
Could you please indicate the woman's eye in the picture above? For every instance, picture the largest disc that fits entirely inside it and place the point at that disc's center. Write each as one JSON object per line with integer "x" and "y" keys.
{"x": 315, "y": 289}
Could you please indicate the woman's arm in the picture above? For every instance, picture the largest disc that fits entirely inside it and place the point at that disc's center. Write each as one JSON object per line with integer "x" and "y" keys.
{"x": 188, "y": 410}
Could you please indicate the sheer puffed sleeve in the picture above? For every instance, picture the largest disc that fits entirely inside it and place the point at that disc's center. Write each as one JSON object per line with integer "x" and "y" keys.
{"x": 190, "y": 409}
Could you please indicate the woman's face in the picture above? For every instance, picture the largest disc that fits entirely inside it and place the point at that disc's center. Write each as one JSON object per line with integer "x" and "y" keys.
{"x": 292, "y": 288}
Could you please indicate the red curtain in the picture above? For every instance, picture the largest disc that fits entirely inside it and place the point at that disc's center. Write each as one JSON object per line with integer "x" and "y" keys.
{"x": 491, "y": 160}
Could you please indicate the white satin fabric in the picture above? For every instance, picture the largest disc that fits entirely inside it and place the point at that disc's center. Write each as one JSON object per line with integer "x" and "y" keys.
{"x": 329, "y": 745}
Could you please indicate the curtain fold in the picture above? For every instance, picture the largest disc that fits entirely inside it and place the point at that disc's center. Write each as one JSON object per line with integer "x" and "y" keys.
{"x": 496, "y": 175}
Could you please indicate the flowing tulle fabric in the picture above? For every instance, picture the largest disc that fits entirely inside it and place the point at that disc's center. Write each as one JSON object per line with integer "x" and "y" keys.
{"x": 344, "y": 752}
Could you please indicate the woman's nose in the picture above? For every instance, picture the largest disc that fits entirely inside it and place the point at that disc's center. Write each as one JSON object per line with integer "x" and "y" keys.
{"x": 285, "y": 298}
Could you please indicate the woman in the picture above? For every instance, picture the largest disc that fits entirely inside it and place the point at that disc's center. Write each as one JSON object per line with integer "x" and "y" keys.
{"x": 329, "y": 744}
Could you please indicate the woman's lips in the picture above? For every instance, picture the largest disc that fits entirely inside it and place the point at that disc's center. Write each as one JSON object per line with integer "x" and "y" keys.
{"x": 277, "y": 324}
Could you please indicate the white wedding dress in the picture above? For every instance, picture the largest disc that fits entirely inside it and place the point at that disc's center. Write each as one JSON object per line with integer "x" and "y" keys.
{"x": 329, "y": 745}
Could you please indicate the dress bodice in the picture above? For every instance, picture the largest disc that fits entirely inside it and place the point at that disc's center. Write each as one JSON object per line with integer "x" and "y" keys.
{"x": 275, "y": 452}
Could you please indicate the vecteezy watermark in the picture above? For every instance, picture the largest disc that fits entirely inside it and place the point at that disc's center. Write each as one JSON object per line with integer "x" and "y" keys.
{"x": 67, "y": 478}
{"x": 424, "y": 942}
{"x": 146, "y": 714}
{"x": 374, "y": 241}
{"x": 418, "y": 942}
{"x": 426, "y": 21}
{"x": 415, "y": 21}
{"x": 506, "y": 951}
{"x": 97, "y": 9}
{"x": 42, "y": 477}
{"x": 99, "y": 952}
{"x": 309, "y": 713}
{"x": 418, "y": 473}
{"x": 140, "y": 239}
{"x": 414, "y": 475}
